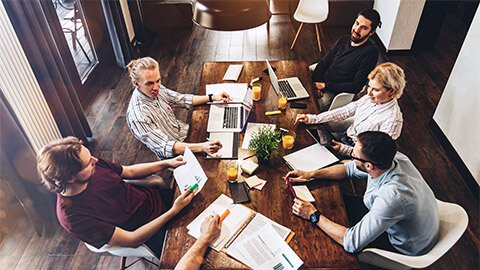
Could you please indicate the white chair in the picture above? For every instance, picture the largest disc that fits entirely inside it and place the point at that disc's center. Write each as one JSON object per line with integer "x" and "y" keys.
{"x": 311, "y": 11}
{"x": 338, "y": 101}
{"x": 453, "y": 222}
{"x": 142, "y": 252}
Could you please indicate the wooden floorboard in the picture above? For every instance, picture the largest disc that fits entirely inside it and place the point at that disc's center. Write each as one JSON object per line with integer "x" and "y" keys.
{"x": 181, "y": 55}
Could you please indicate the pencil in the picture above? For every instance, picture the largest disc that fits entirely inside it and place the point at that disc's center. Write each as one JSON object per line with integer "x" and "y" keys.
{"x": 249, "y": 156}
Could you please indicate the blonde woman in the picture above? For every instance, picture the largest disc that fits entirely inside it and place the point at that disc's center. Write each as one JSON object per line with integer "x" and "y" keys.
{"x": 150, "y": 115}
{"x": 376, "y": 111}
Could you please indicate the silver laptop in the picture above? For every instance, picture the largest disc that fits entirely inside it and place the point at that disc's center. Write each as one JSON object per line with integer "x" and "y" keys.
{"x": 291, "y": 88}
{"x": 230, "y": 117}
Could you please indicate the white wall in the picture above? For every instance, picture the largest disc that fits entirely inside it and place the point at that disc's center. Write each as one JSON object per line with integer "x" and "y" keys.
{"x": 458, "y": 112}
{"x": 399, "y": 22}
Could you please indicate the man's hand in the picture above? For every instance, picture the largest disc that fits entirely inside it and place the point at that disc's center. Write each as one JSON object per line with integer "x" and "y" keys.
{"x": 320, "y": 87}
{"x": 221, "y": 97}
{"x": 298, "y": 176}
{"x": 336, "y": 145}
{"x": 211, "y": 147}
{"x": 302, "y": 118}
{"x": 210, "y": 228}
{"x": 182, "y": 201}
{"x": 302, "y": 208}
{"x": 176, "y": 161}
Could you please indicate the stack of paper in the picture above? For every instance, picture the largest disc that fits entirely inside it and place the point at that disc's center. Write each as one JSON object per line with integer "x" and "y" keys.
{"x": 255, "y": 182}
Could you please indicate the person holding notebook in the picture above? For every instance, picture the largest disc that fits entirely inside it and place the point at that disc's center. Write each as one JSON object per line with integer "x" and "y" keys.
{"x": 376, "y": 111}
{"x": 398, "y": 211}
{"x": 150, "y": 116}
{"x": 346, "y": 66}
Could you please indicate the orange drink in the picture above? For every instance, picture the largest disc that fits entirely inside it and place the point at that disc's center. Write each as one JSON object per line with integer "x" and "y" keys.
{"x": 288, "y": 139}
{"x": 232, "y": 171}
{"x": 257, "y": 91}
{"x": 282, "y": 102}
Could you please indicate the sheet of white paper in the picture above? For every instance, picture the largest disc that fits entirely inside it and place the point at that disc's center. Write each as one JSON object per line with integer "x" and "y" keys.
{"x": 303, "y": 193}
{"x": 310, "y": 158}
{"x": 236, "y": 91}
{"x": 251, "y": 128}
{"x": 260, "y": 187}
{"x": 253, "y": 181}
{"x": 238, "y": 215}
{"x": 266, "y": 250}
{"x": 226, "y": 139}
{"x": 190, "y": 173}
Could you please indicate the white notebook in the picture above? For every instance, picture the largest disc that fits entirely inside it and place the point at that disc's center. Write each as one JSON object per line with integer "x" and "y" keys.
{"x": 310, "y": 158}
{"x": 233, "y": 72}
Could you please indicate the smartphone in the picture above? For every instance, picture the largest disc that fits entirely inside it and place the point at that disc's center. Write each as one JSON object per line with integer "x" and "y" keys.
{"x": 265, "y": 71}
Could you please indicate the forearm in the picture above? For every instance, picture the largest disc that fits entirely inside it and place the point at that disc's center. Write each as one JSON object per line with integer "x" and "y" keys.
{"x": 200, "y": 100}
{"x": 142, "y": 170}
{"x": 194, "y": 257}
{"x": 332, "y": 229}
{"x": 335, "y": 172}
{"x": 179, "y": 147}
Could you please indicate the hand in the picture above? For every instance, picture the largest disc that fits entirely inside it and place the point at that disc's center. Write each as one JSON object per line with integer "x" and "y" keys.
{"x": 210, "y": 228}
{"x": 302, "y": 118}
{"x": 302, "y": 208}
{"x": 336, "y": 145}
{"x": 298, "y": 176}
{"x": 176, "y": 161}
{"x": 211, "y": 147}
{"x": 222, "y": 97}
{"x": 320, "y": 85}
{"x": 182, "y": 201}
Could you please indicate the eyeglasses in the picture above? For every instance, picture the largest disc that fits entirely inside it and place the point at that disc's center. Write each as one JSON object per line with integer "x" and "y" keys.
{"x": 364, "y": 160}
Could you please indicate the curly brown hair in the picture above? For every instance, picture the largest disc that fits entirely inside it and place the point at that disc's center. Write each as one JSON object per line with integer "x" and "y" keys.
{"x": 58, "y": 162}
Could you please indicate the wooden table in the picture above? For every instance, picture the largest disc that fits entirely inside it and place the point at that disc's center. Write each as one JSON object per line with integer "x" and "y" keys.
{"x": 311, "y": 244}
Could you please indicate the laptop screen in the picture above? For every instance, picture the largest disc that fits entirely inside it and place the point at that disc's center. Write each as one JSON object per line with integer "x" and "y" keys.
{"x": 273, "y": 77}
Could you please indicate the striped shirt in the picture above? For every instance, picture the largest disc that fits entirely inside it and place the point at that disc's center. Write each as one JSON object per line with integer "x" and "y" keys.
{"x": 368, "y": 116}
{"x": 153, "y": 122}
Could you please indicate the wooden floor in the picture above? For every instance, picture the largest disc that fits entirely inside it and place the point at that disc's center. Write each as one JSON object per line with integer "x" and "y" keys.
{"x": 181, "y": 55}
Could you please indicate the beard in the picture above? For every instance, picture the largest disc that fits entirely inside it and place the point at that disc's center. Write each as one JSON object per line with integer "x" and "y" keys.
{"x": 358, "y": 39}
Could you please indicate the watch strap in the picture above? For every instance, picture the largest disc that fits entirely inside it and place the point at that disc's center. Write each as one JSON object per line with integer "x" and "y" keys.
{"x": 210, "y": 97}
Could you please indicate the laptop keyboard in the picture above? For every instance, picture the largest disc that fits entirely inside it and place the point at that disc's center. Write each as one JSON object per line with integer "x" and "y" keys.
{"x": 230, "y": 117}
{"x": 286, "y": 89}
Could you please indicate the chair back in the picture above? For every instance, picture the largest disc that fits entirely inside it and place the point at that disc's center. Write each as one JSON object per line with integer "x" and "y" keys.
{"x": 141, "y": 251}
{"x": 341, "y": 100}
{"x": 311, "y": 11}
{"x": 453, "y": 223}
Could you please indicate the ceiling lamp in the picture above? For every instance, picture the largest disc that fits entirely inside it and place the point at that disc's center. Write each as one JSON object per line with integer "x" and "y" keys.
{"x": 230, "y": 15}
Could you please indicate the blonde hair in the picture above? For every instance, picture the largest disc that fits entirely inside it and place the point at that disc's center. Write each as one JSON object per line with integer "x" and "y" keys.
{"x": 136, "y": 65}
{"x": 390, "y": 76}
{"x": 58, "y": 162}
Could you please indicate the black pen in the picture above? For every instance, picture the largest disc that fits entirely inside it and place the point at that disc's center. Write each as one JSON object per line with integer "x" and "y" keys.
{"x": 208, "y": 139}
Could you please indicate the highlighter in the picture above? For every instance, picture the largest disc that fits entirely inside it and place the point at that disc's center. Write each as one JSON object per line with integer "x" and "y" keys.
{"x": 224, "y": 215}
{"x": 192, "y": 188}
{"x": 273, "y": 112}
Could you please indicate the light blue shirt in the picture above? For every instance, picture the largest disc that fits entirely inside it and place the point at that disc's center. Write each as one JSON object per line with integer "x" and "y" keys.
{"x": 400, "y": 203}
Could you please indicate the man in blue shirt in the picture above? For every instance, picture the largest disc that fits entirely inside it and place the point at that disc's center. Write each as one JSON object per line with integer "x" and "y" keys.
{"x": 400, "y": 202}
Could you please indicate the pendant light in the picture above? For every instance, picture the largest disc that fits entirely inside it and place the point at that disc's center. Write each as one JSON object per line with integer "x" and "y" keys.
{"x": 230, "y": 15}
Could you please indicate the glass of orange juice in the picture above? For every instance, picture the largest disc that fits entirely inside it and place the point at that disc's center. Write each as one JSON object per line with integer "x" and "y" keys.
{"x": 232, "y": 171}
{"x": 257, "y": 91}
{"x": 288, "y": 139}
{"x": 282, "y": 102}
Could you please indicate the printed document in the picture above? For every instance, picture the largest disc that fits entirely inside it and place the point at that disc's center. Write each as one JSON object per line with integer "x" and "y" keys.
{"x": 190, "y": 173}
{"x": 236, "y": 91}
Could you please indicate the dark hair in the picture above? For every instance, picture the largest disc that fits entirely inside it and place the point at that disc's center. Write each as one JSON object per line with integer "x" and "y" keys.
{"x": 377, "y": 147}
{"x": 373, "y": 16}
{"x": 58, "y": 162}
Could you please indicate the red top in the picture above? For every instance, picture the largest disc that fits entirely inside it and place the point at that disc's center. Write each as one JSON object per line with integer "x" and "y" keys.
{"x": 106, "y": 203}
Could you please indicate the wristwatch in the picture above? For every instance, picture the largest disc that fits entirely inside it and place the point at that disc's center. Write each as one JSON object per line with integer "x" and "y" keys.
{"x": 210, "y": 97}
{"x": 315, "y": 217}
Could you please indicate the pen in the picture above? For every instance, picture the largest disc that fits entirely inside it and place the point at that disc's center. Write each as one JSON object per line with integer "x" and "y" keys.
{"x": 287, "y": 260}
{"x": 208, "y": 139}
{"x": 284, "y": 130}
{"x": 249, "y": 156}
{"x": 291, "y": 188}
{"x": 273, "y": 112}
{"x": 224, "y": 215}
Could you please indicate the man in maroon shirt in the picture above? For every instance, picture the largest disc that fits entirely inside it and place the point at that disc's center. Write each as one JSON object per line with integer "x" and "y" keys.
{"x": 96, "y": 206}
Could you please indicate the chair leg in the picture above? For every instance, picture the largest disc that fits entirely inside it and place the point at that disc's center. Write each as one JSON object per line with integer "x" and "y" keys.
{"x": 321, "y": 30}
{"x": 122, "y": 263}
{"x": 296, "y": 36}
{"x": 318, "y": 38}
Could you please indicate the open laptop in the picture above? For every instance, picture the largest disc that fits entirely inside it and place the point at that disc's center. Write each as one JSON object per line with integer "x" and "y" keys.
{"x": 291, "y": 88}
{"x": 230, "y": 117}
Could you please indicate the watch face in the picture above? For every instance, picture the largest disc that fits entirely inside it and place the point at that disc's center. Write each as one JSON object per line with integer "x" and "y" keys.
{"x": 314, "y": 217}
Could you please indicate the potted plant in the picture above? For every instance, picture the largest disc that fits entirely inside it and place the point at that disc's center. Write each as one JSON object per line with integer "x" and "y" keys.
{"x": 264, "y": 143}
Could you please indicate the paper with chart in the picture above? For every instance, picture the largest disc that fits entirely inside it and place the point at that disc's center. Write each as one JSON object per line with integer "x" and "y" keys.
{"x": 251, "y": 128}
{"x": 190, "y": 173}
{"x": 239, "y": 214}
{"x": 236, "y": 91}
{"x": 265, "y": 249}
